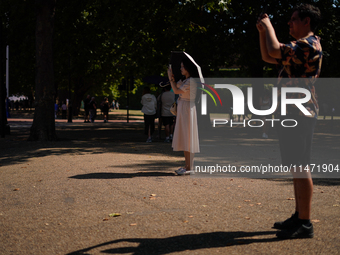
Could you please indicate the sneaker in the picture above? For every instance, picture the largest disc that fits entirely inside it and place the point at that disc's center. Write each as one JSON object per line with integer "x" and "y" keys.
{"x": 287, "y": 224}
{"x": 170, "y": 137}
{"x": 179, "y": 170}
{"x": 183, "y": 171}
{"x": 301, "y": 231}
{"x": 149, "y": 140}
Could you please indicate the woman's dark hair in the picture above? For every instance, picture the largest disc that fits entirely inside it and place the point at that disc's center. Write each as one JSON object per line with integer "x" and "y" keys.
{"x": 307, "y": 10}
{"x": 190, "y": 67}
{"x": 146, "y": 90}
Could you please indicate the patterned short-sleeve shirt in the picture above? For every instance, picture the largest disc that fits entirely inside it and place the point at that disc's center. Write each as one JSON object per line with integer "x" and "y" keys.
{"x": 301, "y": 59}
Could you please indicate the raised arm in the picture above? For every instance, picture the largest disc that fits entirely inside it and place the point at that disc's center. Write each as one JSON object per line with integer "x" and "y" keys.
{"x": 269, "y": 44}
{"x": 173, "y": 83}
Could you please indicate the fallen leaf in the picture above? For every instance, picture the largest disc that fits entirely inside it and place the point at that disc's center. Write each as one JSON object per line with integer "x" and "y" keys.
{"x": 315, "y": 221}
{"x": 152, "y": 198}
{"x": 322, "y": 191}
{"x": 336, "y": 205}
{"x": 191, "y": 216}
{"x": 204, "y": 205}
{"x": 195, "y": 183}
{"x": 133, "y": 224}
{"x": 246, "y": 200}
{"x": 47, "y": 224}
{"x": 258, "y": 203}
{"x": 247, "y": 218}
{"x": 239, "y": 206}
{"x": 290, "y": 198}
{"x": 114, "y": 214}
{"x": 16, "y": 189}
{"x": 185, "y": 221}
{"x": 105, "y": 219}
{"x": 153, "y": 195}
{"x": 251, "y": 205}
{"x": 239, "y": 186}
{"x": 231, "y": 180}
{"x": 129, "y": 212}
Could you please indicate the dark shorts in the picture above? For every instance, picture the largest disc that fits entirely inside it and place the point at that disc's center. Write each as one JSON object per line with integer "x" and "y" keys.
{"x": 296, "y": 142}
{"x": 167, "y": 120}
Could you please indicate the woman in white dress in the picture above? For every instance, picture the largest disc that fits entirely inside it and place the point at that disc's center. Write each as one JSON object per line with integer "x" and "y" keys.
{"x": 185, "y": 136}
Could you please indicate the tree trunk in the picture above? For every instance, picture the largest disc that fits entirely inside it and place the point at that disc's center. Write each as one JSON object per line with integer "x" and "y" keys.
{"x": 43, "y": 127}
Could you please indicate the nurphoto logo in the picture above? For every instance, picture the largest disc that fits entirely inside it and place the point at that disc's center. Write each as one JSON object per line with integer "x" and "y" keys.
{"x": 239, "y": 103}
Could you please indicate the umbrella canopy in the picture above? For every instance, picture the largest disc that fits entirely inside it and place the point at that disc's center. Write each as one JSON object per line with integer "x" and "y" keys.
{"x": 175, "y": 61}
{"x": 157, "y": 80}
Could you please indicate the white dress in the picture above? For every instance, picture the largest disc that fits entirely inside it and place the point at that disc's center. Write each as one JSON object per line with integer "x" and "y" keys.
{"x": 185, "y": 136}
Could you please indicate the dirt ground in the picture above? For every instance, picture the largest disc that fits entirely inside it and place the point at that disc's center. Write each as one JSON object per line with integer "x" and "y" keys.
{"x": 101, "y": 189}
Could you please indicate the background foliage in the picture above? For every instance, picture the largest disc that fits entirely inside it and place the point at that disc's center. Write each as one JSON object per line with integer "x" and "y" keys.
{"x": 97, "y": 43}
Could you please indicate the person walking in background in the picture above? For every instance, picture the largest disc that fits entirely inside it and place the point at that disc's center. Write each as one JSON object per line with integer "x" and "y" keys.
{"x": 63, "y": 110}
{"x": 92, "y": 109}
{"x": 149, "y": 103}
{"x": 167, "y": 98}
{"x": 56, "y": 109}
{"x": 105, "y": 109}
{"x": 186, "y": 131}
{"x": 298, "y": 59}
{"x": 87, "y": 109}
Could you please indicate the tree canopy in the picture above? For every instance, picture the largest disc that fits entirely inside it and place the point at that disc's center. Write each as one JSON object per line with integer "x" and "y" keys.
{"x": 97, "y": 43}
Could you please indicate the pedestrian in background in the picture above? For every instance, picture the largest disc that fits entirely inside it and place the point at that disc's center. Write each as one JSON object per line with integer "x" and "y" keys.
{"x": 167, "y": 98}
{"x": 86, "y": 108}
{"x": 92, "y": 109}
{"x": 149, "y": 103}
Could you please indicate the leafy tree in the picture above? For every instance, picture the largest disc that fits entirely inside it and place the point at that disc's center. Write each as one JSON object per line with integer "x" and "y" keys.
{"x": 98, "y": 43}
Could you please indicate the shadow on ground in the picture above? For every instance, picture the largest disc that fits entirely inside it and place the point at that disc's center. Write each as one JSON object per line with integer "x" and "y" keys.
{"x": 316, "y": 181}
{"x": 181, "y": 243}
{"x": 101, "y": 176}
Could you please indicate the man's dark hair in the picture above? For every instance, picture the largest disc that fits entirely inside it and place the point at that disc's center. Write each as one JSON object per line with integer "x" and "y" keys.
{"x": 307, "y": 10}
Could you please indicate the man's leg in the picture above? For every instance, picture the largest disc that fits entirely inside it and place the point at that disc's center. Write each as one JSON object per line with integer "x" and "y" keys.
{"x": 303, "y": 197}
{"x": 299, "y": 225}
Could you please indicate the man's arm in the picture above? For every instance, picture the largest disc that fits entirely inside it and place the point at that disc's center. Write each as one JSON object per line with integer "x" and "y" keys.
{"x": 264, "y": 51}
{"x": 269, "y": 43}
